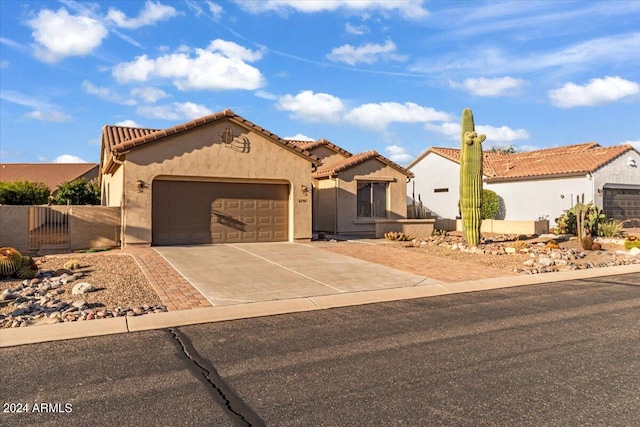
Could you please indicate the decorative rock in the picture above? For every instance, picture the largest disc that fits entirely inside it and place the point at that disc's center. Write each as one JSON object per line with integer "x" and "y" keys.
{"x": 510, "y": 250}
{"x": 79, "y": 303}
{"x": 82, "y": 288}
{"x": 545, "y": 261}
{"x": 7, "y": 295}
{"x": 62, "y": 271}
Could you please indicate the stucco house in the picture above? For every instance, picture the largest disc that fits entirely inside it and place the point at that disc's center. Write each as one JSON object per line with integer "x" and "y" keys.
{"x": 536, "y": 184}
{"x": 224, "y": 179}
{"x": 353, "y": 192}
{"x": 215, "y": 179}
{"x": 51, "y": 174}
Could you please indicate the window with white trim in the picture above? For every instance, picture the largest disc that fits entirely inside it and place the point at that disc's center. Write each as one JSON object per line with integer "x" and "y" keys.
{"x": 372, "y": 199}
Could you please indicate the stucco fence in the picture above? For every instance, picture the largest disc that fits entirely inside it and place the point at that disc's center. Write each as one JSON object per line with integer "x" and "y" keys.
{"x": 497, "y": 226}
{"x": 35, "y": 228}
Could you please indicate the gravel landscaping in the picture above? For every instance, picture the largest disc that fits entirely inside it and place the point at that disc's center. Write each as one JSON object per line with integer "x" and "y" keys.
{"x": 120, "y": 289}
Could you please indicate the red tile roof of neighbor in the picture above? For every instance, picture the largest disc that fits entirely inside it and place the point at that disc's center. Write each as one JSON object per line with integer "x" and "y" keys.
{"x": 122, "y": 139}
{"x": 356, "y": 159}
{"x": 568, "y": 160}
{"x": 51, "y": 174}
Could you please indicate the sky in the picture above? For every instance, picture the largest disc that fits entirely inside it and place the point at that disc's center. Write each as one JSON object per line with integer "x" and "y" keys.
{"x": 392, "y": 76}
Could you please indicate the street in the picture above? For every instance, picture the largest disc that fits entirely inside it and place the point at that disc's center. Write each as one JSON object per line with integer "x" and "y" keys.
{"x": 565, "y": 353}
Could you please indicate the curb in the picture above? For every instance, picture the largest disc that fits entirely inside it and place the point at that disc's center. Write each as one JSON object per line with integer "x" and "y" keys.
{"x": 62, "y": 331}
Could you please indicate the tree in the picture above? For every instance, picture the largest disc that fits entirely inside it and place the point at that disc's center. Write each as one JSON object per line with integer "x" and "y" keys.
{"x": 24, "y": 193}
{"x": 78, "y": 192}
{"x": 504, "y": 150}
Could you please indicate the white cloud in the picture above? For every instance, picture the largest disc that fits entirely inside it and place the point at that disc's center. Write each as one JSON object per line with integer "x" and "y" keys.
{"x": 379, "y": 116}
{"x": 105, "y": 93}
{"x": 368, "y": 53}
{"x": 494, "y": 134}
{"x": 174, "y": 111}
{"x": 358, "y": 30}
{"x": 398, "y": 154}
{"x": 313, "y": 107}
{"x": 265, "y": 95}
{"x": 150, "y": 14}
{"x": 299, "y": 137}
{"x": 149, "y": 94}
{"x": 49, "y": 116}
{"x": 635, "y": 144}
{"x": 490, "y": 87}
{"x": 215, "y": 9}
{"x": 58, "y": 34}
{"x": 596, "y": 92}
{"x": 503, "y": 133}
{"x": 128, "y": 123}
{"x": 408, "y": 9}
{"x": 220, "y": 66}
{"x": 42, "y": 110}
{"x": 68, "y": 158}
{"x": 618, "y": 49}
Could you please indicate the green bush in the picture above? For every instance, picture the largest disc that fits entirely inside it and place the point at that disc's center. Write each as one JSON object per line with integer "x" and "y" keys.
{"x": 24, "y": 193}
{"x": 629, "y": 244}
{"x": 490, "y": 204}
{"x": 78, "y": 192}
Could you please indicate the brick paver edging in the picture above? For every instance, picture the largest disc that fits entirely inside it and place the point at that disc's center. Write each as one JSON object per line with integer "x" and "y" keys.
{"x": 174, "y": 290}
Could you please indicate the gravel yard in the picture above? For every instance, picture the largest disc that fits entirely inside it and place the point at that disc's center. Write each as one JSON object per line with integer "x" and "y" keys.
{"x": 117, "y": 277}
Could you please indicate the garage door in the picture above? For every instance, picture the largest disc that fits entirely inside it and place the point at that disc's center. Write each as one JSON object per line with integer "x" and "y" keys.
{"x": 187, "y": 212}
{"x": 622, "y": 204}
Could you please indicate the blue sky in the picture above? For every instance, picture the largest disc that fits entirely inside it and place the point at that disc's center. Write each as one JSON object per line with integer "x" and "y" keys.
{"x": 393, "y": 76}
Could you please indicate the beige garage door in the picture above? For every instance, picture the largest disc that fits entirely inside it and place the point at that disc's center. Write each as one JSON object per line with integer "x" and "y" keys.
{"x": 188, "y": 213}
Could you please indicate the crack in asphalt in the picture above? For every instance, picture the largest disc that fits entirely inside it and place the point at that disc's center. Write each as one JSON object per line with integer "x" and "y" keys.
{"x": 233, "y": 405}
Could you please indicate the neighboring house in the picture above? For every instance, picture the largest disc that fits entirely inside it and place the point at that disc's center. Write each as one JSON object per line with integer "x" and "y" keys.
{"x": 536, "y": 184}
{"x": 215, "y": 179}
{"x": 353, "y": 191}
{"x": 51, "y": 174}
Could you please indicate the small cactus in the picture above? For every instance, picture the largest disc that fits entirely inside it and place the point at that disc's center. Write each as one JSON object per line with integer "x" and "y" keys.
{"x": 587, "y": 243}
{"x": 10, "y": 261}
{"x": 72, "y": 264}
{"x": 28, "y": 269}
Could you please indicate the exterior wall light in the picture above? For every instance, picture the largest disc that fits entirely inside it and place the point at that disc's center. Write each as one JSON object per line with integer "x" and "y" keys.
{"x": 304, "y": 189}
{"x": 140, "y": 185}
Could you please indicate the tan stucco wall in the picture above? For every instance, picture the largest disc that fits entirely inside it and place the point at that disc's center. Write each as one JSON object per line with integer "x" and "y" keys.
{"x": 198, "y": 154}
{"x": 325, "y": 205}
{"x": 327, "y": 155}
{"x": 94, "y": 227}
{"x": 112, "y": 188}
{"x": 14, "y": 227}
{"x": 347, "y": 186}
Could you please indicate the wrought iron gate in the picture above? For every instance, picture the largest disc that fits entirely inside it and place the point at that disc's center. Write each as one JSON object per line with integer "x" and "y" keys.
{"x": 49, "y": 227}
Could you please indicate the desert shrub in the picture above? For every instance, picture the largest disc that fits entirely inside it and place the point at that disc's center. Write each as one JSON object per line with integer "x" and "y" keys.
{"x": 78, "y": 192}
{"x": 611, "y": 228}
{"x": 594, "y": 219}
{"x": 398, "y": 235}
{"x": 490, "y": 204}
{"x": 72, "y": 264}
{"x": 24, "y": 193}
{"x": 632, "y": 242}
{"x": 520, "y": 245}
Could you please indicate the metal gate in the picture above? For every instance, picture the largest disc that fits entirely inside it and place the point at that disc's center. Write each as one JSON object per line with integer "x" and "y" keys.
{"x": 49, "y": 227}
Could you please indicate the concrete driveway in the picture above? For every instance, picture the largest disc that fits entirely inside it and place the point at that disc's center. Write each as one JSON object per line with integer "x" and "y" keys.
{"x": 248, "y": 272}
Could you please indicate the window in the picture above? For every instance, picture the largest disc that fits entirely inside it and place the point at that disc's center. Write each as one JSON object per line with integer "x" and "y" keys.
{"x": 372, "y": 200}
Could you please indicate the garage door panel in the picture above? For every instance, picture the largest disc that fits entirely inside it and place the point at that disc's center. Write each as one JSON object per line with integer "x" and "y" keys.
{"x": 186, "y": 212}
{"x": 622, "y": 204}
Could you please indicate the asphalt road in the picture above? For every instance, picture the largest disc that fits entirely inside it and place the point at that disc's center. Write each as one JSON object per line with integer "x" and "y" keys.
{"x": 558, "y": 354}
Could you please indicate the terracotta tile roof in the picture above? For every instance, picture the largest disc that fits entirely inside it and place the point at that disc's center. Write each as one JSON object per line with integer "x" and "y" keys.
{"x": 356, "y": 159}
{"x": 310, "y": 145}
{"x": 114, "y": 135}
{"x": 146, "y": 138}
{"x": 51, "y": 174}
{"x": 567, "y": 160}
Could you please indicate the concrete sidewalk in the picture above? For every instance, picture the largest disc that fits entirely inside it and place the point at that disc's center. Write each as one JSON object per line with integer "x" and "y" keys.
{"x": 62, "y": 331}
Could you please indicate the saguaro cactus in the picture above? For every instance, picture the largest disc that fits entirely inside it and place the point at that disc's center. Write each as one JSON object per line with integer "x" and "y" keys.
{"x": 471, "y": 179}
